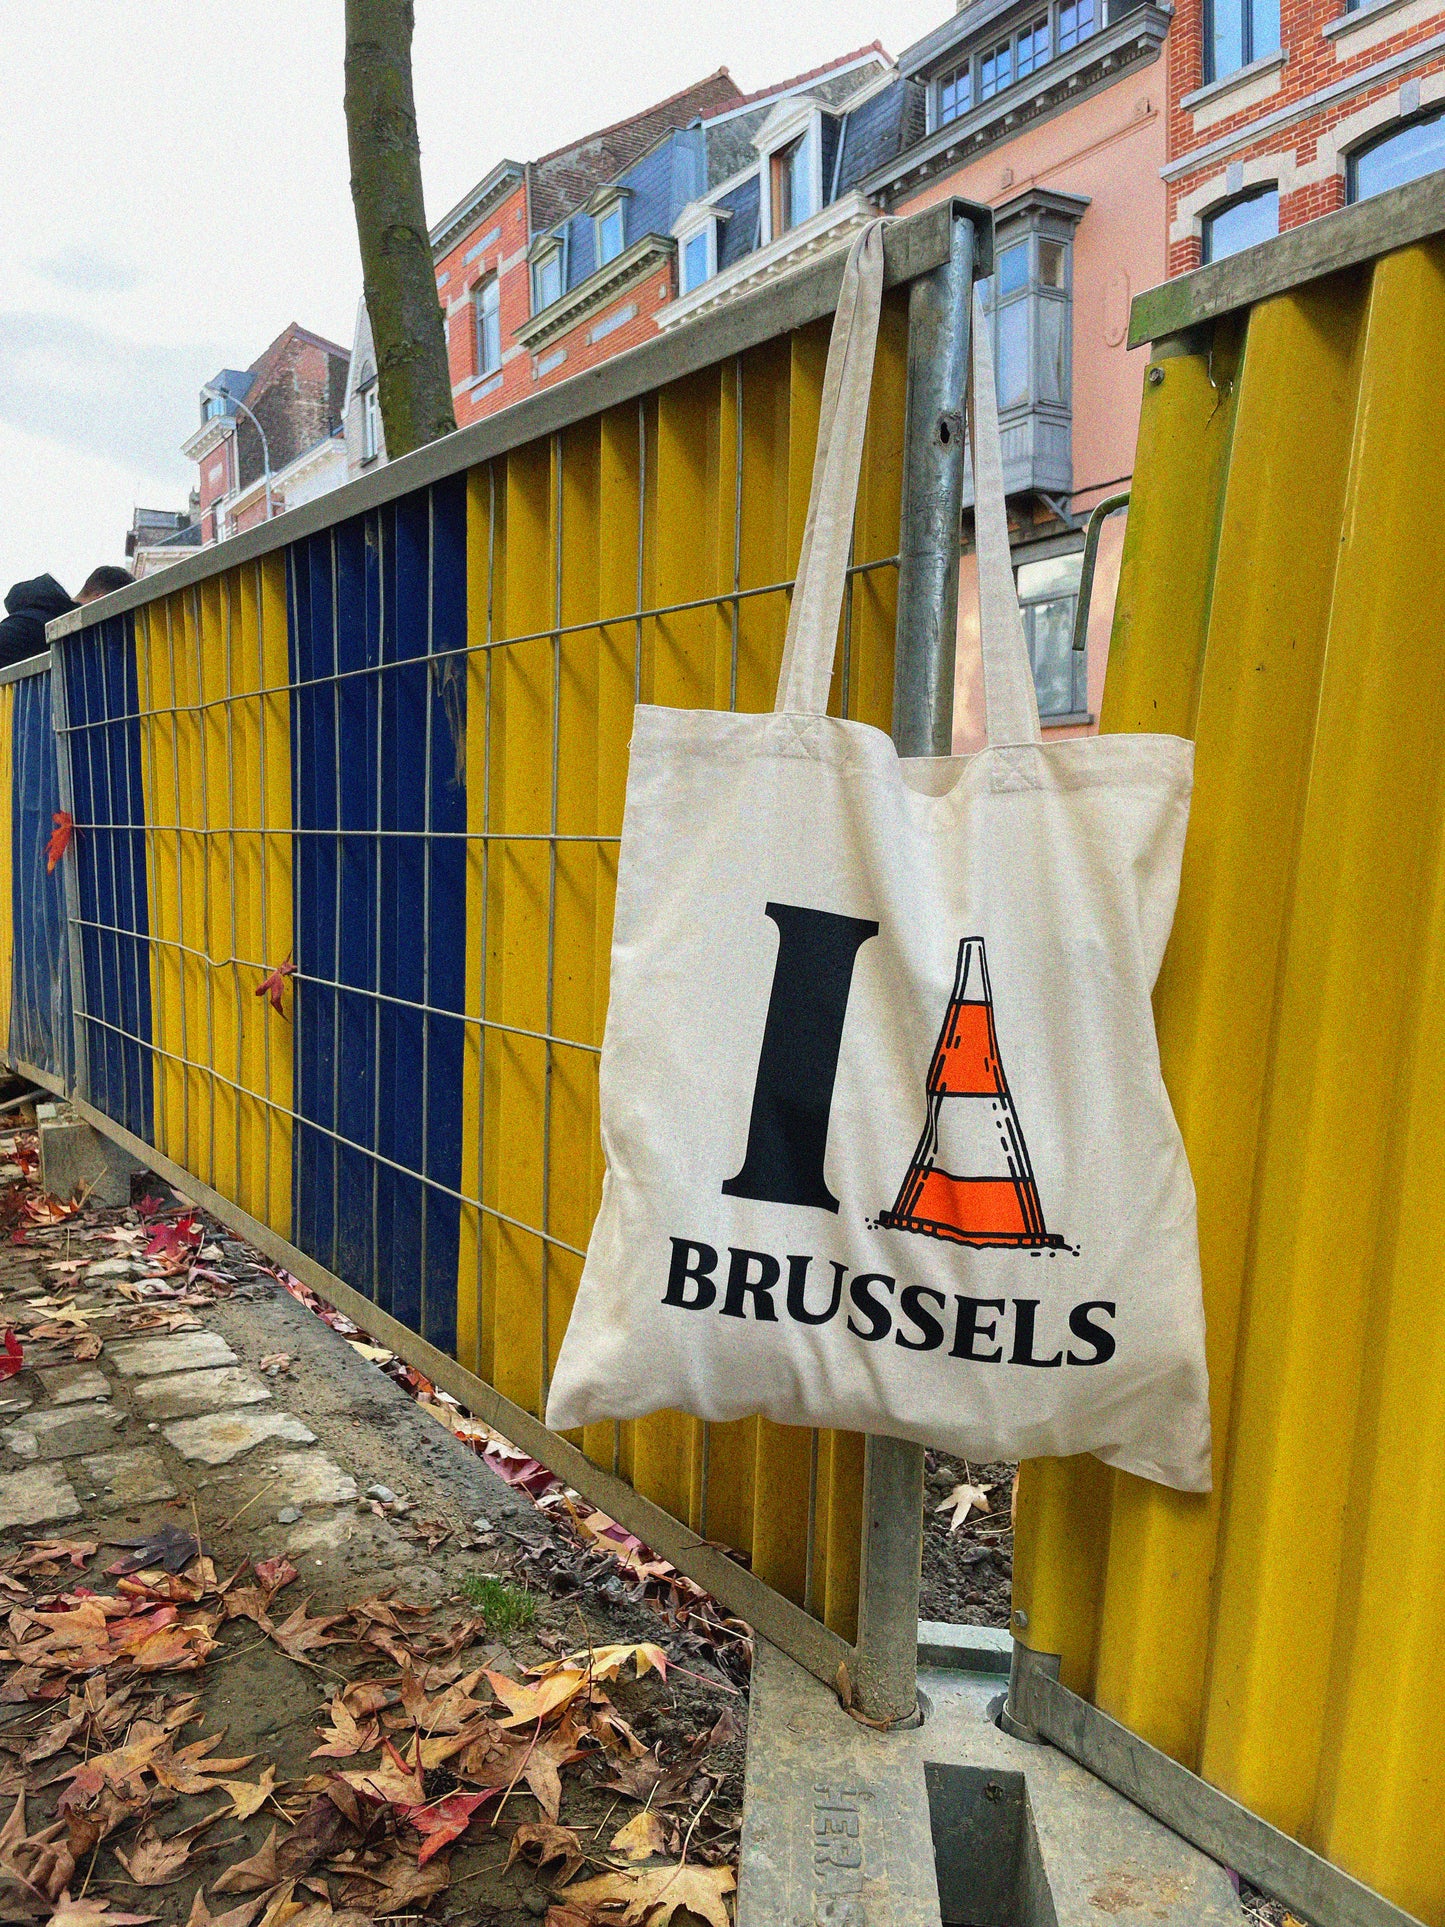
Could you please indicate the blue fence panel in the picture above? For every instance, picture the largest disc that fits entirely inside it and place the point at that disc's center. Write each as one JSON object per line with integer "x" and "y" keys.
{"x": 109, "y": 852}
{"x": 379, "y": 867}
{"x": 40, "y": 1010}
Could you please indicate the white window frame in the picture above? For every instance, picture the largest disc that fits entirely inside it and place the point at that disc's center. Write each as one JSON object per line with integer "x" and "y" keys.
{"x": 370, "y": 422}
{"x": 692, "y": 222}
{"x": 779, "y": 132}
{"x": 545, "y": 259}
{"x": 489, "y": 285}
{"x": 602, "y": 213}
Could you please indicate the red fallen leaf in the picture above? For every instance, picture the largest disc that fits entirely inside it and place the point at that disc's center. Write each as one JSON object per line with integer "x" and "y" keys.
{"x": 273, "y": 985}
{"x": 174, "y": 1240}
{"x": 444, "y": 1820}
{"x": 12, "y": 1359}
{"x": 274, "y": 1574}
{"x": 59, "y": 839}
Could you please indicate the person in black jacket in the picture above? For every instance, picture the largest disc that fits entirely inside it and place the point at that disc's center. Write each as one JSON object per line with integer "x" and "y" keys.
{"x": 28, "y": 607}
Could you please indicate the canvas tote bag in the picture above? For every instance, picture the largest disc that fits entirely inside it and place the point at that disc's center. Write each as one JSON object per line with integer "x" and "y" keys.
{"x": 887, "y": 1143}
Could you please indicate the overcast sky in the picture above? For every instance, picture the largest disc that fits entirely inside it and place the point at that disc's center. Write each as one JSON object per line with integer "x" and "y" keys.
{"x": 173, "y": 192}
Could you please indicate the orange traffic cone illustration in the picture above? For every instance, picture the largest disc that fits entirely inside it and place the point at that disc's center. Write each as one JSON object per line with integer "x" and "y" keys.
{"x": 970, "y": 1181}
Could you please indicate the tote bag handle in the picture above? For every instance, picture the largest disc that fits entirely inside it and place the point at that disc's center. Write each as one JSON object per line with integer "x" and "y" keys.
{"x": 806, "y": 673}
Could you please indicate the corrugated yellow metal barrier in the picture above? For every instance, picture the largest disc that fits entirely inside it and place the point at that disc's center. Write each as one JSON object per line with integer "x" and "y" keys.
{"x": 347, "y": 797}
{"x": 1282, "y": 601}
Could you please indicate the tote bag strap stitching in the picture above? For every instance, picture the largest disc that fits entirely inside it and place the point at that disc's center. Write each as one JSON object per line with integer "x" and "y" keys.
{"x": 806, "y": 673}
{"x": 1011, "y": 709}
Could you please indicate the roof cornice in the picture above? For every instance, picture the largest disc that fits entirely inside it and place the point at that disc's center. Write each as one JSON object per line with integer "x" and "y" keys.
{"x": 633, "y": 264}
{"x": 1132, "y": 41}
{"x": 474, "y": 207}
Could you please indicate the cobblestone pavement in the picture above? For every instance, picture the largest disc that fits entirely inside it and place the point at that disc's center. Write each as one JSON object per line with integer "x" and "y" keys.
{"x": 164, "y": 1398}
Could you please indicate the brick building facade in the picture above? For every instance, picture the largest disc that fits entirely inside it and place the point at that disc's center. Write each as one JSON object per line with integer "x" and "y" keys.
{"x": 295, "y": 390}
{"x": 1280, "y": 110}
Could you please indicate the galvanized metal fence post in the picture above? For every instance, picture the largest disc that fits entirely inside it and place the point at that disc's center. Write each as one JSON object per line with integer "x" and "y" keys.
{"x": 939, "y": 307}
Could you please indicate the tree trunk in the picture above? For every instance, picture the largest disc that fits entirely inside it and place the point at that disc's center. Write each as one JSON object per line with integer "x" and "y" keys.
{"x": 413, "y": 379}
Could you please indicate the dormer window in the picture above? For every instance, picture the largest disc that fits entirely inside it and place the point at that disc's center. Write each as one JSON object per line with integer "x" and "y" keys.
{"x": 790, "y": 148}
{"x": 792, "y": 201}
{"x": 696, "y": 233}
{"x": 547, "y": 278}
{"x": 610, "y": 239}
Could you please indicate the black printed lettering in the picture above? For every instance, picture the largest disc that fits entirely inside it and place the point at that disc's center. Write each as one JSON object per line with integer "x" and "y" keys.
{"x": 1092, "y": 1332}
{"x": 691, "y": 1261}
{"x": 879, "y": 1316}
{"x": 793, "y": 1092}
{"x": 742, "y": 1283}
{"x": 798, "y": 1292}
{"x": 968, "y": 1329}
{"x": 911, "y": 1307}
{"x": 1025, "y": 1312}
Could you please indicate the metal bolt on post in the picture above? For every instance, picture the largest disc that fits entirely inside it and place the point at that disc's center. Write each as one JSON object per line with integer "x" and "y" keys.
{"x": 939, "y": 308}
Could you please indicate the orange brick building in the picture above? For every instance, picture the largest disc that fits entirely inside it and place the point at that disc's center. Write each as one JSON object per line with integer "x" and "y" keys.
{"x": 1280, "y": 110}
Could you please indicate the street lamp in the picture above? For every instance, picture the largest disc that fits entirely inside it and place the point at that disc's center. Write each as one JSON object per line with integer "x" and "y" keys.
{"x": 222, "y": 395}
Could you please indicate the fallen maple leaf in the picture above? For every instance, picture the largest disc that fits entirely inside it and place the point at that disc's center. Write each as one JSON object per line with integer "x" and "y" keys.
{"x": 242, "y": 1916}
{"x": 528, "y": 1704}
{"x": 444, "y": 1820}
{"x": 274, "y": 1575}
{"x": 398, "y": 1886}
{"x": 298, "y": 1635}
{"x": 247, "y": 1876}
{"x": 643, "y": 1838}
{"x": 59, "y": 839}
{"x": 551, "y": 1843}
{"x": 153, "y": 1862}
{"x": 12, "y": 1359}
{"x": 90, "y": 1912}
{"x": 346, "y": 1736}
{"x": 654, "y": 1894}
{"x": 272, "y": 986}
{"x": 964, "y": 1499}
{"x": 247, "y": 1797}
{"x": 394, "y": 1781}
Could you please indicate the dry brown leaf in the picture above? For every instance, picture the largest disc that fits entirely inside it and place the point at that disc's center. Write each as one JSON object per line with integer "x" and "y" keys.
{"x": 298, "y": 1635}
{"x": 964, "y": 1499}
{"x": 346, "y": 1736}
{"x": 247, "y": 1876}
{"x": 654, "y": 1894}
{"x": 542, "y": 1843}
{"x": 643, "y": 1838}
{"x": 542, "y": 1769}
{"x": 247, "y": 1797}
{"x": 242, "y": 1916}
{"x": 398, "y": 1886}
{"x": 528, "y": 1704}
{"x": 87, "y": 1911}
{"x": 606, "y": 1662}
{"x": 153, "y": 1862}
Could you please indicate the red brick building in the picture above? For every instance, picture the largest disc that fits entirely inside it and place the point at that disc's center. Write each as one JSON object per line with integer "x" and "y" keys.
{"x": 275, "y": 422}
{"x": 1280, "y": 110}
{"x": 481, "y": 247}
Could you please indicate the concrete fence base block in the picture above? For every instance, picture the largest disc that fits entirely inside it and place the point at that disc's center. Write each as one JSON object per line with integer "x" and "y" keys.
{"x": 952, "y": 1824}
{"x": 75, "y": 1158}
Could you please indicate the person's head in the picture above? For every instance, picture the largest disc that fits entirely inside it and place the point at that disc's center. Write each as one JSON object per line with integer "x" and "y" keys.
{"x": 104, "y": 581}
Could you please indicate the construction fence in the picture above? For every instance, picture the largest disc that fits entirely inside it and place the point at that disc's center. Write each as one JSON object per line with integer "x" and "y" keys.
{"x": 347, "y": 795}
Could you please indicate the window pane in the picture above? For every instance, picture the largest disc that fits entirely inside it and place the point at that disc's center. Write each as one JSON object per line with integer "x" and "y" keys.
{"x": 984, "y": 290}
{"x": 1057, "y": 575}
{"x": 609, "y": 236}
{"x": 1404, "y": 156}
{"x": 549, "y": 280}
{"x": 1013, "y": 354}
{"x": 1033, "y": 46}
{"x": 1224, "y": 45}
{"x": 996, "y": 70}
{"x": 694, "y": 262}
{"x": 1052, "y": 265}
{"x": 1264, "y": 28}
{"x": 1050, "y": 627}
{"x": 1053, "y": 349}
{"x": 1241, "y": 224}
{"x": 799, "y": 183}
{"x": 1013, "y": 268}
{"x": 955, "y": 93}
{"x": 1076, "y": 23}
